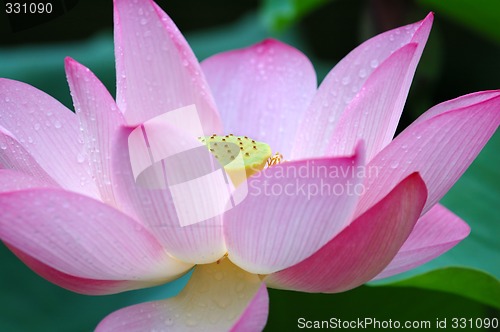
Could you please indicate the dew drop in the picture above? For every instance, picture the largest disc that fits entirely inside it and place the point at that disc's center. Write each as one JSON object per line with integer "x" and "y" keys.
{"x": 394, "y": 164}
{"x": 3, "y": 146}
{"x": 144, "y": 21}
{"x": 240, "y": 286}
{"x": 374, "y": 63}
{"x": 223, "y": 301}
{"x": 346, "y": 80}
{"x": 191, "y": 322}
{"x": 362, "y": 73}
{"x": 57, "y": 124}
{"x": 80, "y": 158}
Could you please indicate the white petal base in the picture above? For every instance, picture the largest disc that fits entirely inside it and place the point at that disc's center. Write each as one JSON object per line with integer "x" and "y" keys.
{"x": 219, "y": 297}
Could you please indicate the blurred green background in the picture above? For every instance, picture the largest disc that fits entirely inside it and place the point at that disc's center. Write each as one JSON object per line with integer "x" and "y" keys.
{"x": 462, "y": 56}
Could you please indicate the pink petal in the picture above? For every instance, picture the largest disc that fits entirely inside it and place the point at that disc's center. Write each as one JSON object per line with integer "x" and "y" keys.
{"x": 362, "y": 249}
{"x": 15, "y": 158}
{"x": 219, "y": 297}
{"x": 11, "y": 180}
{"x": 48, "y": 131}
{"x": 261, "y": 90}
{"x": 460, "y": 102}
{"x": 99, "y": 120}
{"x": 374, "y": 114}
{"x": 343, "y": 84}
{"x": 82, "y": 237}
{"x": 291, "y": 210}
{"x": 254, "y": 317}
{"x": 440, "y": 147}
{"x": 76, "y": 284}
{"x": 156, "y": 69}
{"x": 436, "y": 232}
{"x": 14, "y": 181}
{"x": 198, "y": 243}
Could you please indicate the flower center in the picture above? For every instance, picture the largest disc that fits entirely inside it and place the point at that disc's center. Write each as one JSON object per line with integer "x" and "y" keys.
{"x": 237, "y": 154}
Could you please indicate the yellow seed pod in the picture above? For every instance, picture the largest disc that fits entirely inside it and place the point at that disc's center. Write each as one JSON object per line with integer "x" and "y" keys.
{"x": 238, "y": 153}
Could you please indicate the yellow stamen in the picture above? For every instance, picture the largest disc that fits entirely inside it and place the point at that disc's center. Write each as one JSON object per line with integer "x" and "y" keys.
{"x": 274, "y": 160}
{"x": 238, "y": 154}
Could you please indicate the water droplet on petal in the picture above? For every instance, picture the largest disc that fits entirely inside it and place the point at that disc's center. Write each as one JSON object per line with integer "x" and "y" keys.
{"x": 80, "y": 158}
{"x": 346, "y": 80}
{"x": 374, "y": 63}
{"x": 57, "y": 124}
{"x": 394, "y": 164}
{"x": 191, "y": 322}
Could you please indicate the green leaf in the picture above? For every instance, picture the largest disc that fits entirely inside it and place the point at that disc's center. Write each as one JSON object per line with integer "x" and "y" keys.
{"x": 281, "y": 14}
{"x": 475, "y": 199}
{"x": 401, "y": 304}
{"x": 479, "y": 15}
{"x": 473, "y": 284}
{"x": 30, "y": 303}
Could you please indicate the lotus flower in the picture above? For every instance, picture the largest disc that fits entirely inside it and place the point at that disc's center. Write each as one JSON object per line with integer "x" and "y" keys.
{"x": 72, "y": 211}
